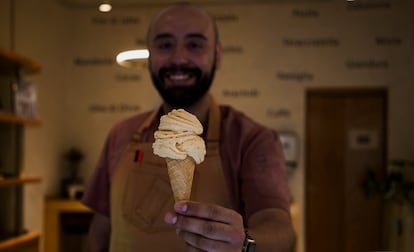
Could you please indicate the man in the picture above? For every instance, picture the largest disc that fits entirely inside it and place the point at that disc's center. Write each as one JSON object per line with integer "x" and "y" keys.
{"x": 240, "y": 186}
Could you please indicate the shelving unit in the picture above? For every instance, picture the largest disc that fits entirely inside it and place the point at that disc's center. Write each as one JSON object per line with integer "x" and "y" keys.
{"x": 13, "y": 119}
{"x": 18, "y": 180}
{"x": 13, "y": 237}
{"x": 11, "y": 62}
{"x": 24, "y": 243}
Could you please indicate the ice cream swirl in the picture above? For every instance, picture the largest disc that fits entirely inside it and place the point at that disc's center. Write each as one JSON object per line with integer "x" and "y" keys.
{"x": 177, "y": 137}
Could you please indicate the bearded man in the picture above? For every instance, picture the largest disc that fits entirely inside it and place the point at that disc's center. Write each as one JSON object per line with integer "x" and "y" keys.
{"x": 240, "y": 199}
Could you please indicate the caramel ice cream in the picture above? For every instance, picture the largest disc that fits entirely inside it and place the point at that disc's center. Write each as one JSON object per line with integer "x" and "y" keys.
{"x": 177, "y": 140}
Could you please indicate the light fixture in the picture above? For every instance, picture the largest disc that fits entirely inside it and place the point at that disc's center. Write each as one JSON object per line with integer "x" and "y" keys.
{"x": 133, "y": 58}
{"x": 105, "y": 6}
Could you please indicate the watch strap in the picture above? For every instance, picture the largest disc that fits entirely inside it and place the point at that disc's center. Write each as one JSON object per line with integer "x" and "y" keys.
{"x": 249, "y": 244}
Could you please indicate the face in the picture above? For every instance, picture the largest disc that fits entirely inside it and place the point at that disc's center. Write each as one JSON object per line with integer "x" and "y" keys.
{"x": 183, "y": 55}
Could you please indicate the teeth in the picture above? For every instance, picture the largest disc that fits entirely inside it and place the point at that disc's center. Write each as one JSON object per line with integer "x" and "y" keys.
{"x": 179, "y": 77}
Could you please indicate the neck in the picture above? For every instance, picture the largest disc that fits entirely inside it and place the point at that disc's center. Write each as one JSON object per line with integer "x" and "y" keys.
{"x": 199, "y": 109}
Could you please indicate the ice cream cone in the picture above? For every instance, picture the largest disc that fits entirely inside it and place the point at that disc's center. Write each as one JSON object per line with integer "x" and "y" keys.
{"x": 181, "y": 173}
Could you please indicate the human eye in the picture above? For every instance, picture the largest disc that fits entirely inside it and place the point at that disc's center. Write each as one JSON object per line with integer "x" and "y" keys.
{"x": 164, "y": 45}
{"x": 195, "y": 45}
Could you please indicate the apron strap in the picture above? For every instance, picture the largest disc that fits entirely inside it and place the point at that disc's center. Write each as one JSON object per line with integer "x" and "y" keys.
{"x": 214, "y": 119}
{"x": 136, "y": 137}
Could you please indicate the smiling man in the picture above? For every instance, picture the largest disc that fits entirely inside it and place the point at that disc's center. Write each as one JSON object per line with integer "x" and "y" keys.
{"x": 184, "y": 55}
{"x": 240, "y": 190}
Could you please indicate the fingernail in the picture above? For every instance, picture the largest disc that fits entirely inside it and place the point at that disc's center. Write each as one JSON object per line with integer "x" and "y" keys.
{"x": 174, "y": 220}
{"x": 181, "y": 207}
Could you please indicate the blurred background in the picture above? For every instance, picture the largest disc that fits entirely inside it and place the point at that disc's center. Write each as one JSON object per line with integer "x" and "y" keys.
{"x": 333, "y": 77}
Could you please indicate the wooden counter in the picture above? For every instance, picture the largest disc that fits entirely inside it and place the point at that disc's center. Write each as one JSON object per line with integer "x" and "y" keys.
{"x": 54, "y": 208}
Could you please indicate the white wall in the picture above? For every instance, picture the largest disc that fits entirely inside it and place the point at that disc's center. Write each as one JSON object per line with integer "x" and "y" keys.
{"x": 265, "y": 73}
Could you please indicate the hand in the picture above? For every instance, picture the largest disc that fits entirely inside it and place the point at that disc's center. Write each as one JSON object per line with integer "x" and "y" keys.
{"x": 207, "y": 227}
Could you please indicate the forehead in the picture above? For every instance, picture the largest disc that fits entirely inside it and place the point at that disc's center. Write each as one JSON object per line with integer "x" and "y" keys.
{"x": 180, "y": 21}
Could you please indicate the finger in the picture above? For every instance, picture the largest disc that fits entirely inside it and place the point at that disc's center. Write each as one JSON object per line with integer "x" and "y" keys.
{"x": 199, "y": 243}
{"x": 191, "y": 248}
{"x": 208, "y": 211}
{"x": 206, "y": 228}
{"x": 210, "y": 221}
{"x": 170, "y": 218}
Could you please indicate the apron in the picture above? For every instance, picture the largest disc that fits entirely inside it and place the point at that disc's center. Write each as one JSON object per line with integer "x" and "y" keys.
{"x": 141, "y": 192}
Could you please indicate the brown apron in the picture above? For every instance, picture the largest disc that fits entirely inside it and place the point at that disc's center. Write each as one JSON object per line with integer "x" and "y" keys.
{"x": 141, "y": 192}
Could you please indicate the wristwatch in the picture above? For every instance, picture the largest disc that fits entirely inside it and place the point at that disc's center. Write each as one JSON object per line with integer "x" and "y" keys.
{"x": 249, "y": 243}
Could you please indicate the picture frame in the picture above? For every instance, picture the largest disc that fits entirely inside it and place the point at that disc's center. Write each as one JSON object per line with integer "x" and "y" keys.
{"x": 289, "y": 141}
{"x": 25, "y": 99}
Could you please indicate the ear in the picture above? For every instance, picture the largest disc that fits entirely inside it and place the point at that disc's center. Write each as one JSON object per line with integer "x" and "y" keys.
{"x": 219, "y": 54}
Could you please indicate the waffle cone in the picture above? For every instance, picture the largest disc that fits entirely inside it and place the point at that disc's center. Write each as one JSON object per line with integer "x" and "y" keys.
{"x": 181, "y": 173}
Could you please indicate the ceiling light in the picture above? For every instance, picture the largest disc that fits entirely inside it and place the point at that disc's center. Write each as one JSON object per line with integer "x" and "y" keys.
{"x": 105, "y": 7}
{"x": 133, "y": 58}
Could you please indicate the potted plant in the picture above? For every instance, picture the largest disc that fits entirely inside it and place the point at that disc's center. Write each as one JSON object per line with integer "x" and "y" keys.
{"x": 396, "y": 188}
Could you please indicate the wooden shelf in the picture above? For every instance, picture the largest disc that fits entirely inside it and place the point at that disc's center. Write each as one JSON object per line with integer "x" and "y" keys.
{"x": 10, "y": 118}
{"x": 20, "y": 242}
{"x": 11, "y": 62}
{"x": 19, "y": 180}
{"x": 12, "y": 66}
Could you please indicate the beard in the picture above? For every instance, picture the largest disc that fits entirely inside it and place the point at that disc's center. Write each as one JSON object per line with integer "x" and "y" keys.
{"x": 183, "y": 96}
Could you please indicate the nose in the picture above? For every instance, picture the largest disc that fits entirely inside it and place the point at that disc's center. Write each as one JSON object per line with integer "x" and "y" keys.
{"x": 179, "y": 55}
